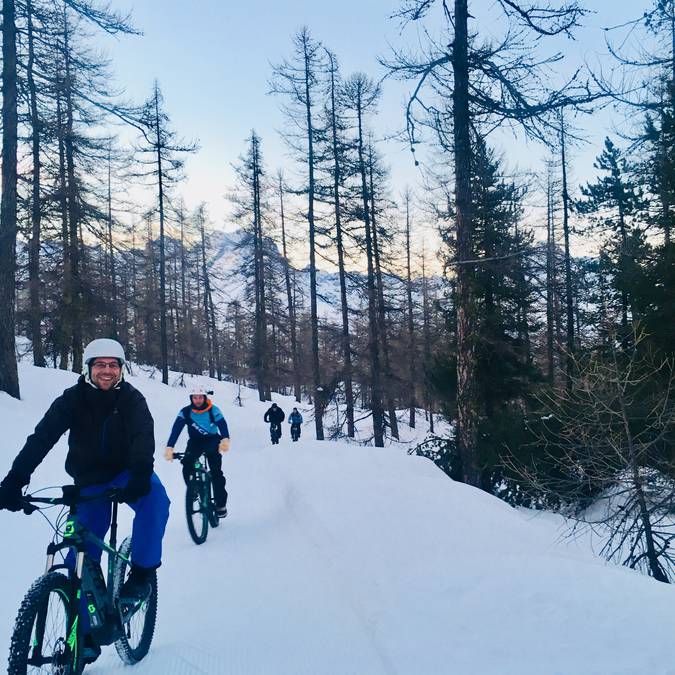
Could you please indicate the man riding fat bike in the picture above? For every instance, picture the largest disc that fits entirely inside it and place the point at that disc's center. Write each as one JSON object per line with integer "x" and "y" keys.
{"x": 110, "y": 445}
{"x": 274, "y": 417}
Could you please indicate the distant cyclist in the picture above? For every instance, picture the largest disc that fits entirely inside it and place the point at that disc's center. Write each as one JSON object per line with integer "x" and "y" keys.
{"x": 111, "y": 444}
{"x": 295, "y": 420}
{"x": 208, "y": 435}
{"x": 274, "y": 417}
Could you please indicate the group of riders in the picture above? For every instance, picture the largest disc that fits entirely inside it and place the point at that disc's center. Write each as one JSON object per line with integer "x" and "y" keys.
{"x": 275, "y": 416}
{"x": 111, "y": 445}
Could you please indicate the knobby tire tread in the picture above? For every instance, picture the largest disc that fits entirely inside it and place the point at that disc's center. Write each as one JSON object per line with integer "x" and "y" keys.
{"x": 34, "y": 599}
{"x": 198, "y": 537}
{"x": 125, "y": 651}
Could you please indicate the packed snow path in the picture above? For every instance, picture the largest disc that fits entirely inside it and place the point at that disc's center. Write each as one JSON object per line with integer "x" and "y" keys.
{"x": 344, "y": 560}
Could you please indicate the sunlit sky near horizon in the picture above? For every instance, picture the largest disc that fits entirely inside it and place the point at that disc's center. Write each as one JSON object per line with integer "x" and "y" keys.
{"x": 212, "y": 60}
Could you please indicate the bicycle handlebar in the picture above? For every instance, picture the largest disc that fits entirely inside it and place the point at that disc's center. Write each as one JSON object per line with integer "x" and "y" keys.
{"x": 71, "y": 497}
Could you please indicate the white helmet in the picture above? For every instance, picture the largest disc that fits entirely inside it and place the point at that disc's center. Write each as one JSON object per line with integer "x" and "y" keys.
{"x": 198, "y": 390}
{"x": 104, "y": 348}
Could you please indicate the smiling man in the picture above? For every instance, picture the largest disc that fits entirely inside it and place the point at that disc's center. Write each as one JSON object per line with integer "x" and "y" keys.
{"x": 111, "y": 444}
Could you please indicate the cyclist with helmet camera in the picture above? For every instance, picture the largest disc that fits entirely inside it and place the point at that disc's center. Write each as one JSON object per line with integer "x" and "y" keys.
{"x": 208, "y": 435}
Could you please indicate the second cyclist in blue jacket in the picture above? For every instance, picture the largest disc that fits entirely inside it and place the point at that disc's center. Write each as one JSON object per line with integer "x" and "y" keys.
{"x": 207, "y": 434}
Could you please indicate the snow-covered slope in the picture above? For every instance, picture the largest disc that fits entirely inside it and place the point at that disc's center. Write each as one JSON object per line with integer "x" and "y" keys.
{"x": 343, "y": 560}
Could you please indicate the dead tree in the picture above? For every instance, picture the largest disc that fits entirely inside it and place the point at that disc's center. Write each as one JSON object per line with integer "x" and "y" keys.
{"x": 9, "y": 378}
{"x": 165, "y": 168}
{"x": 569, "y": 295}
{"x": 337, "y": 147}
{"x": 299, "y": 81}
{"x": 361, "y": 94}
{"x": 297, "y": 384}
{"x": 381, "y": 305}
{"x": 412, "y": 347}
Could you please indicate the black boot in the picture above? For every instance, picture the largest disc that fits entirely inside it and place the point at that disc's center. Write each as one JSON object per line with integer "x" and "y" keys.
{"x": 139, "y": 584}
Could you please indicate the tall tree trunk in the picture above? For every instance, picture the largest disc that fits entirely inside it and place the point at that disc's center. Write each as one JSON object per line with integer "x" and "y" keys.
{"x": 412, "y": 360}
{"x": 550, "y": 280}
{"x": 289, "y": 295}
{"x": 65, "y": 311}
{"x": 150, "y": 298}
{"x": 111, "y": 253}
{"x": 162, "y": 260}
{"x": 135, "y": 294}
{"x": 317, "y": 393}
{"x": 262, "y": 356}
{"x": 346, "y": 337}
{"x": 75, "y": 319}
{"x": 623, "y": 259}
{"x": 73, "y": 209}
{"x": 214, "y": 337}
{"x": 373, "y": 337}
{"x": 9, "y": 377}
{"x": 426, "y": 322}
{"x": 665, "y": 193}
{"x": 468, "y": 401}
{"x": 381, "y": 308}
{"x": 207, "y": 293}
{"x": 186, "y": 340}
{"x": 36, "y": 210}
{"x": 569, "y": 296}
{"x": 523, "y": 318}
{"x": 175, "y": 322}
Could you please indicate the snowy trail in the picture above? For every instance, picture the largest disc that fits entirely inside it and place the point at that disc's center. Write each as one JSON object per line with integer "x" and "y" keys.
{"x": 342, "y": 560}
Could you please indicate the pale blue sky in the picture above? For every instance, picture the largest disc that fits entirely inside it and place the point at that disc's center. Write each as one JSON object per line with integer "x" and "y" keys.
{"x": 212, "y": 59}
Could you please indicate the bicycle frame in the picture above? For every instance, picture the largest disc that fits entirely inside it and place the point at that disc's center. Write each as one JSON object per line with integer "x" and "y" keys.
{"x": 201, "y": 473}
{"x": 89, "y": 591}
{"x": 198, "y": 469}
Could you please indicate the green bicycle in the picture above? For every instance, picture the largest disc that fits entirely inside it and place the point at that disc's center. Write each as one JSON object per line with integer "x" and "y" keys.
{"x": 49, "y": 632}
{"x": 200, "y": 507}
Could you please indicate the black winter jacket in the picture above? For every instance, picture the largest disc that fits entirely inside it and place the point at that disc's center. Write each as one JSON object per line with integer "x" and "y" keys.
{"x": 110, "y": 432}
{"x": 275, "y": 416}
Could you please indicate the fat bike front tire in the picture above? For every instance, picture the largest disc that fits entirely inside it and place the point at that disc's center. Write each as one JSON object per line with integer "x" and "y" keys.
{"x": 46, "y": 637}
{"x": 195, "y": 512}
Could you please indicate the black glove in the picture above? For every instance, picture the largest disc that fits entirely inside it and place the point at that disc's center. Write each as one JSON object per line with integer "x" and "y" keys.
{"x": 10, "y": 493}
{"x": 137, "y": 487}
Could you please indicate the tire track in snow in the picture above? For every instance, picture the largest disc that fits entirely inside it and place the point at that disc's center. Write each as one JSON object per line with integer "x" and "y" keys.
{"x": 311, "y": 528}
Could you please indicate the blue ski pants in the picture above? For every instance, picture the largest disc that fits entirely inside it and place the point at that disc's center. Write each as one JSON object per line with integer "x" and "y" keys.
{"x": 151, "y": 516}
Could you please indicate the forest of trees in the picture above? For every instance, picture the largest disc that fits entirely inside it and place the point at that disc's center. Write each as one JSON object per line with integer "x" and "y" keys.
{"x": 550, "y": 360}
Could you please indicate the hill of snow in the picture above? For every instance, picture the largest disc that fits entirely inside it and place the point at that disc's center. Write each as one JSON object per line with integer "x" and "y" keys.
{"x": 342, "y": 560}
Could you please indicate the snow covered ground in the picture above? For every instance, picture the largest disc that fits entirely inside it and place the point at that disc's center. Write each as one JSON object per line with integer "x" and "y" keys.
{"x": 342, "y": 560}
